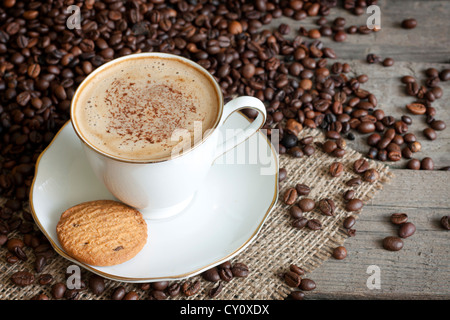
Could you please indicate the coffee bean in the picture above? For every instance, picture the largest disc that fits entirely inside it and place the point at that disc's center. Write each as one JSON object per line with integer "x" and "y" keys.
{"x": 299, "y": 223}
{"x": 240, "y": 270}
{"x": 336, "y": 169}
{"x": 96, "y": 284}
{"x": 329, "y": 146}
{"x": 388, "y": 62}
{"x": 354, "y": 205}
{"x": 211, "y": 275}
{"x": 118, "y": 293}
{"x": 360, "y": 166}
{"x": 158, "y": 295}
{"x": 399, "y": 218}
{"x": 131, "y": 295}
{"x": 314, "y": 224}
{"x": 292, "y": 279}
{"x": 327, "y": 207}
{"x": 307, "y": 285}
{"x": 392, "y": 243}
{"x": 191, "y": 288}
{"x": 406, "y": 230}
{"x": 174, "y": 289}
{"x": 58, "y": 290}
{"x": 371, "y": 175}
{"x": 416, "y": 108}
{"x": 427, "y": 164}
{"x": 290, "y": 196}
{"x": 297, "y": 295}
{"x": 226, "y": 274}
{"x": 444, "y": 75}
{"x": 409, "y": 23}
{"x": 429, "y": 133}
{"x": 22, "y": 278}
{"x": 296, "y": 269}
{"x": 295, "y": 212}
{"x": 413, "y": 164}
{"x": 306, "y": 204}
{"x": 340, "y": 253}
{"x": 354, "y": 182}
{"x": 282, "y": 174}
{"x": 215, "y": 291}
{"x": 438, "y": 125}
{"x": 302, "y": 189}
{"x": 349, "y": 222}
{"x": 349, "y": 194}
{"x": 445, "y": 222}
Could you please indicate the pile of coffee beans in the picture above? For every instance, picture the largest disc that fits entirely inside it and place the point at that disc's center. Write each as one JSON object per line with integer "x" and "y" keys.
{"x": 294, "y": 278}
{"x": 405, "y": 230}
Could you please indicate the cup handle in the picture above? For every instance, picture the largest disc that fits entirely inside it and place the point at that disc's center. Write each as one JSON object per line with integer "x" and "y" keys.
{"x": 244, "y": 102}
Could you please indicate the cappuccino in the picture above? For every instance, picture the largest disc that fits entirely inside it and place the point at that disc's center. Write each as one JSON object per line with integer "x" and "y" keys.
{"x": 131, "y": 109}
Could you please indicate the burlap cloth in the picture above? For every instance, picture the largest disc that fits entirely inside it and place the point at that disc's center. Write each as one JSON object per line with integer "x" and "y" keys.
{"x": 276, "y": 247}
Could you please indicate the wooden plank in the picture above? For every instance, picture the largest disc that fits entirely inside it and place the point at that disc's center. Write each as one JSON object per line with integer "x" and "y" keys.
{"x": 421, "y": 270}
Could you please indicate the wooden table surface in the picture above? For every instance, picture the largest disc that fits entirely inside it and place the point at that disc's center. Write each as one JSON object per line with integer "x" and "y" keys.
{"x": 421, "y": 270}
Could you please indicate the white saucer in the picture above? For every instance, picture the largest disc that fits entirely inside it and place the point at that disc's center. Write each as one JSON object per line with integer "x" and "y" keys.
{"x": 222, "y": 220}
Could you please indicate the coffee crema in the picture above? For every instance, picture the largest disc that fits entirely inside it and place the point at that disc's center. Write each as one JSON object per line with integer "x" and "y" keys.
{"x": 131, "y": 109}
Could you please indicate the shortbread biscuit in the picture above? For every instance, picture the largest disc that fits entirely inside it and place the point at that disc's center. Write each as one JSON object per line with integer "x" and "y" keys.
{"x": 102, "y": 232}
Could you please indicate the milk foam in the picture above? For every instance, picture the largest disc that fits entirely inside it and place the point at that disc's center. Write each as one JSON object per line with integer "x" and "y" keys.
{"x": 131, "y": 109}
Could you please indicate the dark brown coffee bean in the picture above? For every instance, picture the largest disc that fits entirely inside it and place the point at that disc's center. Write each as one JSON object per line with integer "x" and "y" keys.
{"x": 340, "y": 253}
{"x": 354, "y": 205}
{"x": 191, "y": 288}
{"x": 360, "y": 165}
{"x": 349, "y": 194}
{"x": 226, "y": 274}
{"x": 295, "y": 212}
{"x": 297, "y": 295}
{"x": 13, "y": 243}
{"x": 118, "y": 293}
{"x": 349, "y": 222}
{"x": 22, "y": 278}
{"x": 413, "y": 164}
{"x": 406, "y": 230}
{"x": 371, "y": 175}
{"x": 211, "y": 275}
{"x": 215, "y": 291}
{"x": 160, "y": 285}
{"x": 427, "y": 164}
{"x": 438, "y": 125}
{"x": 430, "y": 134}
{"x": 314, "y": 224}
{"x": 58, "y": 290}
{"x": 327, "y": 207}
{"x": 131, "y": 295}
{"x": 292, "y": 279}
{"x": 416, "y": 108}
{"x": 354, "y": 182}
{"x": 282, "y": 174}
{"x": 174, "y": 289}
{"x": 336, "y": 169}
{"x": 96, "y": 284}
{"x": 329, "y": 146}
{"x": 392, "y": 243}
{"x": 302, "y": 189}
{"x": 399, "y": 218}
{"x": 445, "y": 222}
{"x": 299, "y": 223}
{"x": 296, "y": 269}
{"x": 290, "y": 196}
{"x": 388, "y": 62}
{"x": 306, "y": 204}
{"x": 409, "y": 23}
{"x": 240, "y": 270}
{"x": 158, "y": 295}
{"x": 307, "y": 285}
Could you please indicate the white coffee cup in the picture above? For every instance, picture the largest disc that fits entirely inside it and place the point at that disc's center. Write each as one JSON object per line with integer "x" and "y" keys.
{"x": 160, "y": 189}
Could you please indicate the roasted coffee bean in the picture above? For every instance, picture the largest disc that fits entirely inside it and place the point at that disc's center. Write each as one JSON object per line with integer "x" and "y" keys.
{"x": 96, "y": 284}
{"x": 349, "y": 194}
{"x": 191, "y": 288}
{"x": 327, "y": 207}
{"x": 118, "y": 293}
{"x": 282, "y": 174}
{"x": 409, "y": 23}
{"x": 226, "y": 274}
{"x": 430, "y": 134}
{"x": 349, "y": 222}
{"x": 329, "y": 146}
{"x": 158, "y": 295}
{"x": 296, "y": 269}
{"x": 297, "y": 295}
{"x": 295, "y": 212}
{"x": 354, "y": 182}
{"x": 131, "y": 295}
{"x": 240, "y": 270}
{"x": 445, "y": 222}
{"x": 354, "y": 205}
{"x": 22, "y": 278}
{"x": 290, "y": 196}
{"x": 438, "y": 125}
{"x": 444, "y": 75}
{"x": 58, "y": 290}
{"x": 292, "y": 279}
{"x": 336, "y": 169}
{"x": 14, "y": 243}
{"x": 360, "y": 165}
{"x": 302, "y": 189}
{"x": 413, "y": 164}
{"x": 392, "y": 243}
{"x": 416, "y": 108}
{"x": 340, "y": 253}
{"x": 299, "y": 223}
{"x": 215, "y": 291}
{"x": 427, "y": 164}
{"x": 406, "y": 230}
{"x": 289, "y": 141}
{"x": 371, "y": 175}
{"x": 174, "y": 289}
{"x": 388, "y": 62}
{"x": 307, "y": 285}
{"x": 314, "y": 224}
{"x": 399, "y": 218}
{"x": 160, "y": 285}
{"x": 306, "y": 204}
{"x": 211, "y": 275}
